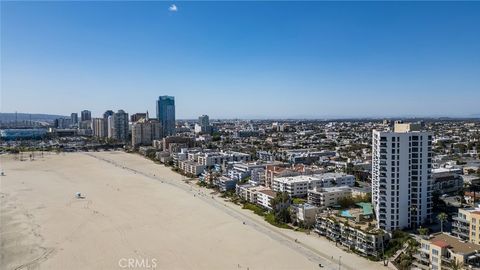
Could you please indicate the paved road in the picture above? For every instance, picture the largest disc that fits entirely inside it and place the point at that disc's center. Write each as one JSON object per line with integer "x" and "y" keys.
{"x": 309, "y": 252}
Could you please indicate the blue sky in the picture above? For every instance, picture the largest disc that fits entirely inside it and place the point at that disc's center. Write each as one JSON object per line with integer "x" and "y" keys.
{"x": 243, "y": 59}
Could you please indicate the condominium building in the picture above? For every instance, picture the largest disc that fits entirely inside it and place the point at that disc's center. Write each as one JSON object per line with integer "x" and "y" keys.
{"x": 466, "y": 225}
{"x": 144, "y": 131}
{"x": 191, "y": 167}
{"x": 305, "y": 213}
{"x": 203, "y": 125}
{"x": 442, "y": 251}
{"x": 401, "y": 176}
{"x": 241, "y": 170}
{"x": 107, "y": 113}
{"x": 211, "y": 158}
{"x": 74, "y": 117}
{"x": 363, "y": 237}
{"x": 225, "y": 183}
{"x": 257, "y": 177}
{"x": 326, "y": 197}
{"x": 447, "y": 180}
{"x": 110, "y": 126}
{"x": 119, "y": 126}
{"x": 62, "y": 123}
{"x": 265, "y": 197}
{"x": 85, "y": 115}
{"x": 137, "y": 116}
{"x": 298, "y": 186}
{"x": 248, "y": 192}
{"x": 99, "y": 127}
{"x": 166, "y": 114}
{"x": 280, "y": 170}
{"x": 284, "y": 169}
{"x": 204, "y": 120}
{"x": 169, "y": 142}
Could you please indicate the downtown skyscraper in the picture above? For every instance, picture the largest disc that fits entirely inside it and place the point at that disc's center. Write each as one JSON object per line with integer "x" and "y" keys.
{"x": 401, "y": 176}
{"x": 166, "y": 114}
{"x": 85, "y": 115}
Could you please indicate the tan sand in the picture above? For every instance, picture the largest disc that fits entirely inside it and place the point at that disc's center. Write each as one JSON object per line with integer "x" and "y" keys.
{"x": 157, "y": 220}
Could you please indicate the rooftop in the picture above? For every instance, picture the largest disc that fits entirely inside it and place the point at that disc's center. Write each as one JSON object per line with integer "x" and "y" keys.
{"x": 269, "y": 192}
{"x": 315, "y": 177}
{"x": 454, "y": 244}
{"x": 332, "y": 189}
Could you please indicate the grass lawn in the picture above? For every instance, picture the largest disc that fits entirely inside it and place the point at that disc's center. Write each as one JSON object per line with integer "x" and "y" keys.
{"x": 270, "y": 218}
{"x": 255, "y": 208}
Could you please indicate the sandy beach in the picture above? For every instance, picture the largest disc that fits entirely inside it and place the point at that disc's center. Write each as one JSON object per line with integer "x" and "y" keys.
{"x": 137, "y": 210}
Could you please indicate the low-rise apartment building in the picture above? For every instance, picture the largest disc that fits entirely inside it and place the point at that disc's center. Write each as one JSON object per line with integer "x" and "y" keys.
{"x": 363, "y": 237}
{"x": 447, "y": 180}
{"x": 191, "y": 167}
{"x": 442, "y": 251}
{"x": 225, "y": 183}
{"x": 212, "y": 158}
{"x": 326, "y": 197}
{"x": 305, "y": 213}
{"x": 249, "y": 192}
{"x": 265, "y": 197}
{"x": 241, "y": 170}
{"x": 466, "y": 225}
{"x": 298, "y": 186}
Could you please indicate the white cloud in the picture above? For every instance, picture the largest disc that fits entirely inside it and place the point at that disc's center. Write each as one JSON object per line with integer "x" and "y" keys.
{"x": 173, "y": 8}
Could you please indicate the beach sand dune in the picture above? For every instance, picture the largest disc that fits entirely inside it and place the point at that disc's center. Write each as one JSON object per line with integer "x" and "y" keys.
{"x": 124, "y": 215}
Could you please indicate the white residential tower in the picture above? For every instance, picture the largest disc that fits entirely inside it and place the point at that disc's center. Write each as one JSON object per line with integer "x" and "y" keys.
{"x": 401, "y": 176}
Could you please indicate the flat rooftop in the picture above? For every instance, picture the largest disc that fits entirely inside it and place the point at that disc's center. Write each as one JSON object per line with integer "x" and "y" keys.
{"x": 332, "y": 189}
{"x": 306, "y": 178}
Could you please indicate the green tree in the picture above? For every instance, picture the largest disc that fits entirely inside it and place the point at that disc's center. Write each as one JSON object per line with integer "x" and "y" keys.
{"x": 422, "y": 231}
{"x": 456, "y": 265}
{"x": 442, "y": 217}
{"x": 280, "y": 207}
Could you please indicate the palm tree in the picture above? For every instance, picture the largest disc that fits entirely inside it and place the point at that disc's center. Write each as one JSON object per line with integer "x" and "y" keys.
{"x": 442, "y": 217}
{"x": 412, "y": 246}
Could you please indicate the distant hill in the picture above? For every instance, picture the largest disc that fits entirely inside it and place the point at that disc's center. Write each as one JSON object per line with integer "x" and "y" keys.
{"x": 10, "y": 117}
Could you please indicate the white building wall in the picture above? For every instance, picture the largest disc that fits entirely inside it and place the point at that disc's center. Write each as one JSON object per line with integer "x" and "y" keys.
{"x": 400, "y": 200}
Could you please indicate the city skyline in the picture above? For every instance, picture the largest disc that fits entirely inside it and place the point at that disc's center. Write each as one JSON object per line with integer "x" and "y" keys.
{"x": 288, "y": 60}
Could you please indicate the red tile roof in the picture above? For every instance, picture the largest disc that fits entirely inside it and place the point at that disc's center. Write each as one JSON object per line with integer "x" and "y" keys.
{"x": 440, "y": 243}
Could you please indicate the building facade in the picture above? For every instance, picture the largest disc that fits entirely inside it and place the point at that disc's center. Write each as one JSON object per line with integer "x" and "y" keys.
{"x": 144, "y": 132}
{"x": 443, "y": 252}
{"x": 137, "y": 116}
{"x": 85, "y": 115}
{"x": 99, "y": 128}
{"x": 447, "y": 180}
{"x": 119, "y": 126}
{"x": 362, "y": 239}
{"x": 401, "y": 176}
{"x": 203, "y": 125}
{"x": 74, "y": 117}
{"x": 325, "y": 197}
{"x": 298, "y": 186}
{"x": 166, "y": 114}
{"x": 466, "y": 225}
{"x": 107, "y": 113}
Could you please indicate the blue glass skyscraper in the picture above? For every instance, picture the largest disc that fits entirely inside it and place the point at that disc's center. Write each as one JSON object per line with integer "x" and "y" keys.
{"x": 166, "y": 114}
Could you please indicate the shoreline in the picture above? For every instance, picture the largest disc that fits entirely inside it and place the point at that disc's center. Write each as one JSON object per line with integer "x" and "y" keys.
{"x": 123, "y": 209}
